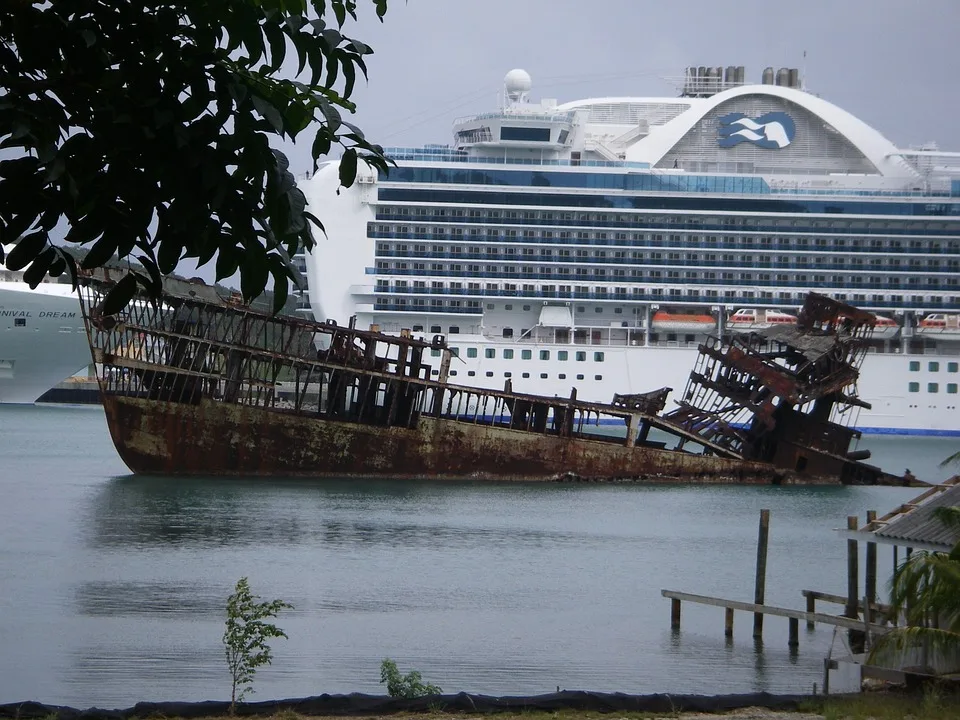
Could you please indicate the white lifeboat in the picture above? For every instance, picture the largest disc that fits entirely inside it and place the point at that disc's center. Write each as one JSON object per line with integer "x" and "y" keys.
{"x": 940, "y": 325}
{"x": 683, "y": 322}
{"x": 885, "y": 328}
{"x": 750, "y": 319}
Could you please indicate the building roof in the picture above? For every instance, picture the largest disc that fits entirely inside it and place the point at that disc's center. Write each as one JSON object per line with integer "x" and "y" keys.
{"x": 914, "y": 524}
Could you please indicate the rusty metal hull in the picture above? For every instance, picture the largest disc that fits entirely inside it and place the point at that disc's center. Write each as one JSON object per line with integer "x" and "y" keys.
{"x": 211, "y": 438}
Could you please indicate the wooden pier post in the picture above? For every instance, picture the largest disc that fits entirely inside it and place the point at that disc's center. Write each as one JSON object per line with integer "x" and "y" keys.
{"x": 853, "y": 582}
{"x": 728, "y": 623}
{"x": 794, "y": 640}
{"x": 871, "y": 577}
{"x": 811, "y": 608}
{"x": 674, "y": 614}
{"x": 761, "y": 580}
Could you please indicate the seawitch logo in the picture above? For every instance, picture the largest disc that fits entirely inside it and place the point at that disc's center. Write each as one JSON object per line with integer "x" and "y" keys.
{"x": 772, "y": 131}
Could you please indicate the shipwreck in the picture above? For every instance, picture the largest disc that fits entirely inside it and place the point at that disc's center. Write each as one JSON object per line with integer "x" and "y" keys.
{"x": 198, "y": 383}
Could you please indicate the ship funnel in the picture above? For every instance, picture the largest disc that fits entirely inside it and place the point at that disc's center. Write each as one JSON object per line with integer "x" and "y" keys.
{"x": 767, "y": 76}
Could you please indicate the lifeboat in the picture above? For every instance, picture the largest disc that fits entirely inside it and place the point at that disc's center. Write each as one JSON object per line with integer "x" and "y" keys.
{"x": 683, "y": 323}
{"x": 750, "y": 319}
{"x": 940, "y": 325}
{"x": 885, "y": 328}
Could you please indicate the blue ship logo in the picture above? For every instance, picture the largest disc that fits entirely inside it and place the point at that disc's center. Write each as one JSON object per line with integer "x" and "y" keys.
{"x": 772, "y": 131}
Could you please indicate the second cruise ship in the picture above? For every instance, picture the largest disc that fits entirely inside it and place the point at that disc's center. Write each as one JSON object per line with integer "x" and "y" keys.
{"x": 594, "y": 244}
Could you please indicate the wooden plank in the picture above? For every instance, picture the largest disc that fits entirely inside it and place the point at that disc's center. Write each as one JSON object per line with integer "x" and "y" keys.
{"x": 813, "y": 595}
{"x": 821, "y": 618}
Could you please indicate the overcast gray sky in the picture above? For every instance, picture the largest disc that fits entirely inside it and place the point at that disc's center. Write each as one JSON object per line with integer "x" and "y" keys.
{"x": 894, "y": 64}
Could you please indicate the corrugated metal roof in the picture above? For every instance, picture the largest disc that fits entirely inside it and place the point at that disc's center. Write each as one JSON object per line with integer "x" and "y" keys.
{"x": 917, "y": 524}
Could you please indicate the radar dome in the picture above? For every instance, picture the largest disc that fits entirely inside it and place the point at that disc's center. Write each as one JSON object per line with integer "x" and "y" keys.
{"x": 517, "y": 83}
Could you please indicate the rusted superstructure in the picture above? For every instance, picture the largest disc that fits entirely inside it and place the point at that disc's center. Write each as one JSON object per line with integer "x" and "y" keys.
{"x": 192, "y": 385}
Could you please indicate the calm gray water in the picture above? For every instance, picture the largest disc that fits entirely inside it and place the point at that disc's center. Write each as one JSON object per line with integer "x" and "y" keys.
{"x": 112, "y": 587}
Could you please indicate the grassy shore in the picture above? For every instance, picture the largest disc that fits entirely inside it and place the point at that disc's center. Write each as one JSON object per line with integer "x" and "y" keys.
{"x": 868, "y": 706}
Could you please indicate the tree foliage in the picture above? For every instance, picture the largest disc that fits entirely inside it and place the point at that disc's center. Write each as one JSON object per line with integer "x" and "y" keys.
{"x": 245, "y": 637}
{"x": 410, "y": 685}
{"x": 925, "y": 591}
{"x": 142, "y": 128}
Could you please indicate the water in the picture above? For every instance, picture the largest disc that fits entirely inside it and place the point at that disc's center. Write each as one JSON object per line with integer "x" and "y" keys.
{"x": 113, "y": 586}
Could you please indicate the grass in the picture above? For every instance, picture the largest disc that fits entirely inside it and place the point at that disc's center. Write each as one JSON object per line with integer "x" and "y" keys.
{"x": 932, "y": 705}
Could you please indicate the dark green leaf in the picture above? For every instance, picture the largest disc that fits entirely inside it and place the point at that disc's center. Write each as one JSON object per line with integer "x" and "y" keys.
{"x": 254, "y": 273}
{"x": 120, "y": 295}
{"x": 269, "y": 112}
{"x": 348, "y": 167}
{"x": 26, "y": 250}
{"x": 71, "y": 264}
{"x": 102, "y": 250}
{"x": 38, "y": 268}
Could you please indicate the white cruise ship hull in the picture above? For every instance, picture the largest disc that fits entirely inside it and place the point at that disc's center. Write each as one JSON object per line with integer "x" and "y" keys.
{"x": 42, "y": 340}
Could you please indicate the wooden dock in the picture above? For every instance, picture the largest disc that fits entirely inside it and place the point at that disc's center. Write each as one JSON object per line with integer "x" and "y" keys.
{"x": 794, "y": 616}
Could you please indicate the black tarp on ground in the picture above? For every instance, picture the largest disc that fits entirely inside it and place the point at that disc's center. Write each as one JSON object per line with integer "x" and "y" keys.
{"x": 359, "y": 704}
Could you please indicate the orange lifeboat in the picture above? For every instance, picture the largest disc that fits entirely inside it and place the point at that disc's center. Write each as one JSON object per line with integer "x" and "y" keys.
{"x": 885, "y": 328}
{"x": 683, "y": 323}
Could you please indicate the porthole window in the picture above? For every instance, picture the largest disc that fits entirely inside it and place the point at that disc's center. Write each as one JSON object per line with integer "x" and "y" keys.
{"x": 489, "y": 373}
{"x": 471, "y": 373}
{"x": 562, "y": 376}
{"x": 598, "y": 377}
{"x": 579, "y": 377}
{"x": 525, "y": 375}
{"x": 543, "y": 376}
{"x": 453, "y": 373}
{"x": 508, "y": 374}
{"x": 914, "y": 387}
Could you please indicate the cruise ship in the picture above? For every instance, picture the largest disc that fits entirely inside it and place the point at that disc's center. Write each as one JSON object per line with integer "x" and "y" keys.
{"x": 42, "y": 340}
{"x": 595, "y": 244}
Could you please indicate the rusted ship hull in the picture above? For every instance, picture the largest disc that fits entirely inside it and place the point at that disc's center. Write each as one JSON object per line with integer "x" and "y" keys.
{"x": 190, "y": 385}
{"x": 212, "y": 438}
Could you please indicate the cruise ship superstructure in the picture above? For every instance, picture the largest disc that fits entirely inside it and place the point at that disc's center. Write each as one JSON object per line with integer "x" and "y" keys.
{"x": 42, "y": 340}
{"x": 595, "y": 244}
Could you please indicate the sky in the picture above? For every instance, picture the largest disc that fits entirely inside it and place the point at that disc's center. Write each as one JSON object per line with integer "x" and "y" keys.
{"x": 894, "y": 64}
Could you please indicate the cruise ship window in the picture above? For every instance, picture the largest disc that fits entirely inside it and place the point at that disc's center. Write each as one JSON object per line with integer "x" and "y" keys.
{"x": 579, "y": 377}
{"x": 508, "y": 332}
{"x": 598, "y": 357}
{"x": 951, "y": 388}
{"x": 19, "y": 322}
{"x": 562, "y": 355}
{"x": 525, "y": 375}
{"x": 434, "y": 372}
{"x": 453, "y": 330}
{"x": 914, "y": 387}
{"x": 933, "y": 367}
{"x": 453, "y": 373}
{"x": 544, "y": 354}
{"x": 435, "y": 329}
{"x": 508, "y": 307}
{"x": 581, "y": 309}
{"x": 489, "y": 373}
{"x": 562, "y": 376}
{"x": 581, "y": 356}
{"x": 914, "y": 366}
{"x": 598, "y": 310}
{"x": 598, "y": 377}
{"x": 471, "y": 373}
{"x": 489, "y": 353}
{"x": 508, "y": 354}
{"x": 435, "y": 352}
{"x": 471, "y": 352}
{"x": 526, "y": 354}
{"x": 508, "y": 374}
{"x": 952, "y": 367}
{"x": 526, "y": 308}
{"x": 933, "y": 388}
